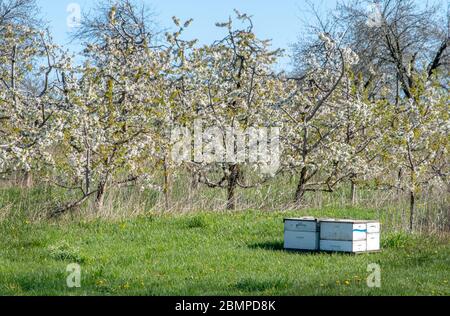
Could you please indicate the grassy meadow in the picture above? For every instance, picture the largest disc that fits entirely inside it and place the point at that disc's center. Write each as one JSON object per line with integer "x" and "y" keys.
{"x": 203, "y": 253}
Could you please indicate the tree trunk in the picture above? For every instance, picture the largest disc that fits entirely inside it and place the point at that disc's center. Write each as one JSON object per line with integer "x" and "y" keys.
{"x": 399, "y": 182}
{"x": 412, "y": 208}
{"x": 27, "y": 181}
{"x": 300, "y": 192}
{"x": 195, "y": 181}
{"x": 13, "y": 73}
{"x": 193, "y": 187}
{"x": 99, "y": 200}
{"x": 232, "y": 185}
{"x": 167, "y": 185}
{"x": 87, "y": 175}
{"x": 353, "y": 193}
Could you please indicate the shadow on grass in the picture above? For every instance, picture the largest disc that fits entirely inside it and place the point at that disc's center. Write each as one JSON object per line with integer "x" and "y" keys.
{"x": 279, "y": 246}
{"x": 269, "y": 245}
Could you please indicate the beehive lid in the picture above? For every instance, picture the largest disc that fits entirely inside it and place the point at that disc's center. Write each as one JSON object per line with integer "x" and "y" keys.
{"x": 305, "y": 219}
{"x": 352, "y": 221}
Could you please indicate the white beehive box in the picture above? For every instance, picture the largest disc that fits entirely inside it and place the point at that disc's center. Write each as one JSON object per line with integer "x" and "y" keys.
{"x": 373, "y": 236}
{"x": 373, "y": 242}
{"x": 343, "y": 246}
{"x": 343, "y": 230}
{"x": 301, "y": 233}
{"x": 349, "y": 235}
{"x": 373, "y": 227}
{"x": 303, "y": 224}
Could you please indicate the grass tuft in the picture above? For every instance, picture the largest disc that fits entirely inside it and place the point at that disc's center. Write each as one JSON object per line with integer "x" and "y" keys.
{"x": 65, "y": 252}
{"x": 198, "y": 221}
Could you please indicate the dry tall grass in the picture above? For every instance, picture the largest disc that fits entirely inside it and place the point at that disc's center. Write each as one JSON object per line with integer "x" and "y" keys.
{"x": 432, "y": 214}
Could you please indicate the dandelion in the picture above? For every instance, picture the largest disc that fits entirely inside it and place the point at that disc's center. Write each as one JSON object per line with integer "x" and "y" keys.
{"x": 100, "y": 282}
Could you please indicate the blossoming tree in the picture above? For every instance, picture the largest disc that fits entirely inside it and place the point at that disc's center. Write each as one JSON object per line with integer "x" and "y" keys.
{"x": 325, "y": 136}
{"x": 237, "y": 91}
{"x": 110, "y": 101}
{"x": 417, "y": 139}
{"x": 31, "y": 68}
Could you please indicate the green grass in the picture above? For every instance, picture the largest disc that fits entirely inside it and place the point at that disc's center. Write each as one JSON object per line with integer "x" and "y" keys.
{"x": 208, "y": 254}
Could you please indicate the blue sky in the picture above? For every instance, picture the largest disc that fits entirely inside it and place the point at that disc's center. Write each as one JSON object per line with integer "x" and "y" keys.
{"x": 277, "y": 20}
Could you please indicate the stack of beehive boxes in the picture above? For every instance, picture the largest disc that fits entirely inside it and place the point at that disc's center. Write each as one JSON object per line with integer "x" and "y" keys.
{"x": 332, "y": 235}
{"x": 301, "y": 233}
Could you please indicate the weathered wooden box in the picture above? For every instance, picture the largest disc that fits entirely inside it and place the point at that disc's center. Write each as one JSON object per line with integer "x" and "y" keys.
{"x": 343, "y": 230}
{"x": 373, "y": 242}
{"x": 343, "y": 246}
{"x": 301, "y": 234}
{"x": 349, "y": 235}
{"x": 308, "y": 233}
